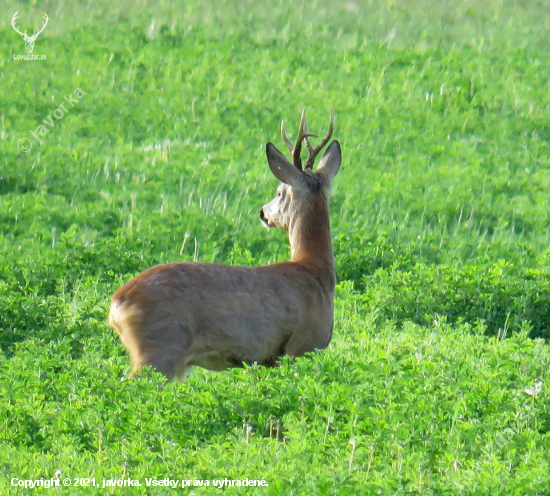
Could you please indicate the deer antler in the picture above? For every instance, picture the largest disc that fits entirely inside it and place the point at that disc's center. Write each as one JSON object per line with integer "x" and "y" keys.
{"x": 36, "y": 33}
{"x": 313, "y": 152}
{"x": 13, "y": 19}
{"x": 302, "y": 134}
{"x": 25, "y": 35}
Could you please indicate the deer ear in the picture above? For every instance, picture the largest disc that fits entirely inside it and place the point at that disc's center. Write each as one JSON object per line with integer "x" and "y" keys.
{"x": 282, "y": 169}
{"x": 330, "y": 161}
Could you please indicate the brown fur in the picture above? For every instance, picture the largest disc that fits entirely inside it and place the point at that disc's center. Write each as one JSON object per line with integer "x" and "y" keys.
{"x": 178, "y": 315}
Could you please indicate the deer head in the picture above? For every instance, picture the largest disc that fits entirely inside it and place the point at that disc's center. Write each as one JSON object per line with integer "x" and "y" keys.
{"x": 29, "y": 40}
{"x": 302, "y": 190}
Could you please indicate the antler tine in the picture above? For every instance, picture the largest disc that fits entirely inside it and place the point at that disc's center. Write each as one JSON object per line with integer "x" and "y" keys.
{"x": 314, "y": 152}
{"x": 287, "y": 141}
{"x": 44, "y": 23}
{"x": 306, "y": 139}
{"x": 13, "y": 19}
{"x": 302, "y": 134}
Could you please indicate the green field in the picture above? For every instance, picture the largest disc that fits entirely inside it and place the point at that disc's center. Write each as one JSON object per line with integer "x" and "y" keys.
{"x": 157, "y": 115}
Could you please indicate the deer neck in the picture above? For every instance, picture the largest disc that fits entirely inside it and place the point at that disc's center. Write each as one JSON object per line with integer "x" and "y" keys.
{"x": 311, "y": 244}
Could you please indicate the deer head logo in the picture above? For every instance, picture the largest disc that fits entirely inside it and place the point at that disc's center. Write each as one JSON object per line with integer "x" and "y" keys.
{"x": 29, "y": 40}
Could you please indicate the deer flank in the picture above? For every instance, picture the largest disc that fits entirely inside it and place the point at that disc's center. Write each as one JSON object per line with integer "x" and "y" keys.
{"x": 176, "y": 316}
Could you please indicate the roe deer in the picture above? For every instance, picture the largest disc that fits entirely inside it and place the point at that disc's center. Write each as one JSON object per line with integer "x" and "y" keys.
{"x": 178, "y": 315}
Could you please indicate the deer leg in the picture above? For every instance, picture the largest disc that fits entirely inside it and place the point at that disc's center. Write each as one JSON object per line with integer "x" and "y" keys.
{"x": 165, "y": 351}
{"x": 303, "y": 342}
{"x": 297, "y": 346}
